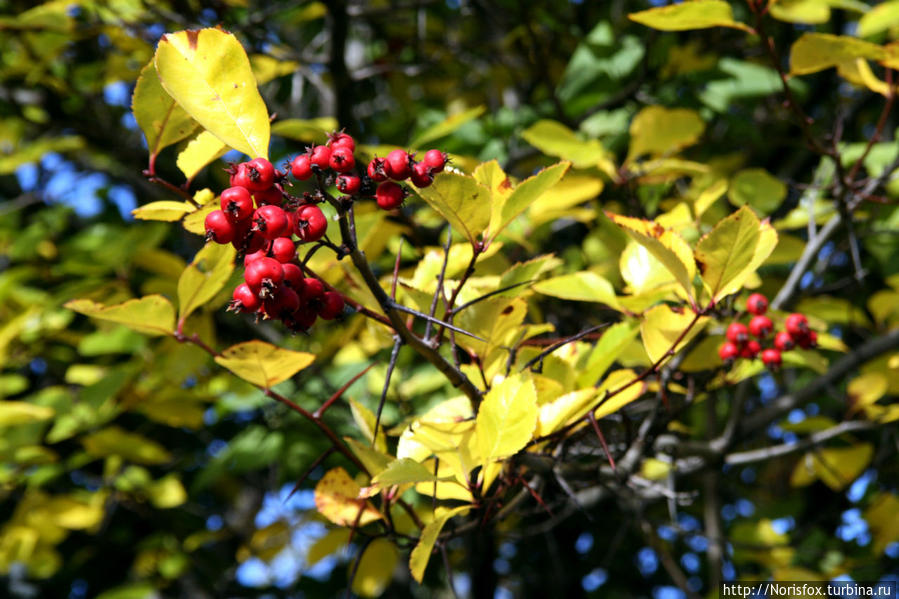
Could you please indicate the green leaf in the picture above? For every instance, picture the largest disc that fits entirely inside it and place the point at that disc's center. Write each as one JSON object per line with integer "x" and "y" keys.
{"x": 405, "y": 470}
{"x": 698, "y": 14}
{"x": 151, "y": 315}
{"x": 663, "y": 326}
{"x": 809, "y": 12}
{"x": 305, "y": 130}
{"x": 757, "y": 188}
{"x": 506, "y": 418}
{"x": 335, "y": 540}
{"x": 115, "y": 441}
{"x": 879, "y": 19}
{"x": 660, "y": 131}
{"x": 138, "y": 590}
{"x": 263, "y": 364}
{"x": 202, "y": 149}
{"x": 374, "y": 461}
{"x": 365, "y": 421}
{"x": 611, "y": 345}
{"x": 815, "y": 52}
{"x": 667, "y": 246}
{"x": 164, "y": 210}
{"x": 462, "y": 201}
{"x": 583, "y": 286}
{"x": 504, "y": 209}
{"x": 158, "y": 115}
{"x": 728, "y": 254}
{"x": 375, "y": 568}
{"x": 167, "y": 492}
{"x": 14, "y": 413}
{"x": 835, "y": 467}
{"x": 204, "y": 277}
{"x": 208, "y": 73}
{"x": 446, "y": 126}
{"x": 555, "y": 139}
{"x": 421, "y": 554}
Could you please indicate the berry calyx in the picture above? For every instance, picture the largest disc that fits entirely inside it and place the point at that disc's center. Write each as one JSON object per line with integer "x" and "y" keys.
{"x": 331, "y": 305}
{"x": 237, "y": 204}
{"x": 737, "y": 333}
{"x": 728, "y": 351}
{"x": 760, "y": 326}
{"x": 435, "y": 160}
{"x": 342, "y": 159}
{"x": 376, "y": 170}
{"x": 218, "y": 228}
{"x": 397, "y": 165}
{"x": 270, "y": 221}
{"x": 348, "y": 184}
{"x": 757, "y": 304}
{"x": 311, "y": 223}
{"x": 772, "y": 358}
{"x": 301, "y": 167}
{"x": 281, "y": 303}
{"x": 389, "y": 195}
{"x": 796, "y": 325}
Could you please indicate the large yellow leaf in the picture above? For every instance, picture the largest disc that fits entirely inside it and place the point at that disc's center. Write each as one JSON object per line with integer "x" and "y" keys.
{"x": 205, "y": 276}
{"x": 505, "y": 208}
{"x": 658, "y": 131}
{"x": 698, "y": 14}
{"x": 375, "y": 569}
{"x": 879, "y": 18}
{"x": 667, "y": 246}
{"x": 623, "y": 383}
{"x": 809, "y": 12}
{"x": 835, "y": 467}
{"x": 613, "y": 343}
{"x": 13, "y": 413}
{"x": 462, "y": 201}
{"x": 164, "y": 210}
{"x": 263, "y": 364}
{"x": 337, "y": 499}
{"x": 507, "y": 418}
{"x": 158, "y": 115}
{"x": 881, "y": 517}
{"x": 208, "y": 73}
{"x": 115, "y": 441}
{"x": 733, "y": 250}
{"x": 151, "y": 315}
{"x": 418, "y": 560}
{"x": 562, "y": 410}
{"x": 584, "y": 286}
{"x": 201, "y": 149}
{"x": 663, "y": 326}
{"x": 815, "y": 52}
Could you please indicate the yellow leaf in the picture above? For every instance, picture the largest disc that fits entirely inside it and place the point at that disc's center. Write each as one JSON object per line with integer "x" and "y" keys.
{"x": 507, "y": 418}
{"x": 75, "y": 513}
{"x": 584, "y": 286}
{"x": 403, "y": 471}
{"x": 658, "y": 131}
{"x": 560, "y": 200}
{"x": 201, "y": 149}
{"x": 758, "y": 188}
{"x": 205, "y": 276}
{"x": 836, "y": 467}
{"x": 167, "y": 492}
{"x": 114, "y": 441}
{"x": 810, "y": 12}
{"x": 880, "y": 18}
{"x": 13, "y": 413}
{"x": 157, "y": 114}
{"x": 305, "y": 130}
{"x": 563, "y": 410}
{"x": 365, "y": 421}
{"x": 208, "y": 73}
{"x": 421, "y": 554}
{"x": 709, "y": 196}
{"x": 662, "y": 326}
{"x": 151, "y": 315}
{"x": 613, "y": 342}
{"x": 505, "y": 208}
{"x": 698, "y": 14}
{"x": 164, "y": 210}
{"x": 654, "y": 469}
{"x": 555, "y": 139}
{"x": 263, "y": 364}
{"x": 667, "y": 246}
{"x": 331, "y": 543}
{"x": 815, "y": 52}
{"x": 375, "y": 461}
{"x": 337, "y": 499}
{"x": 265, "y": 67}
{"x": 642, "y": 271}
{"x": 194, "y": 222}
{"x": 375, "y": 569}
{"x": 881, "y": 517}
{"x": 623, "y": 383}
{"x": 462, "y": 201}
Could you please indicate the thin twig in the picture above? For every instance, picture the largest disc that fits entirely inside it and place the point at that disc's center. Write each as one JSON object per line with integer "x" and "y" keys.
{"x": 394, "y": 355}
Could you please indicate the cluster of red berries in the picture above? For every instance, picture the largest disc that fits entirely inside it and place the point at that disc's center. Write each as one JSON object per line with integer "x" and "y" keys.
{"x": 740, "y": 344}
{"x": 336, "y": 159}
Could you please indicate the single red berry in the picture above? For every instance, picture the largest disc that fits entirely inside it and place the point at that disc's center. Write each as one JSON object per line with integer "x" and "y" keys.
{"x": 263, "y": 275}
{"x": 376, "y": 170}
{"x": 398, "y": 165}
{"x": 783, "y": 341}
{"x": 218, "y": 228}
{"x": 435, "y": 160}
{"x": 293, "y": 276}
{"x": 270, "y": 221}
{"x": 349, "y": 184}
{"x": 268, "y": 197}
{"x": 302, "y": 319}
{"x": 808, "y": 341}
{"x": 252, "y": 257}
{"x": 760, "y": 326}
{"x": 796, "y": 325}
{"x": 320, "y": 157}
{"x": 341, "y": 139}
{"x": 237, "y": 204}
{"x": 244, "y": 300}
{"x": 311, "y": 223}
{"x": 260, "y": 174}
{"x": 421, "y": 175}
{"x": 283, "y": 249}
{"x": 240, "y": 176}
{"x": 737, "y": 333}
{"x": 728, "y": 351}
{"x": 389, "y": 195}
{"x": 772, "y": 358}
{"x": 332, "y": 305}
{"x": 301, "y": 167}
{"x": 312, "y": 292}
{"x": 342, "y": 159}
{"x": 757, "y": 304}
{"x": 281, "y": 303}
{"x": 751, "y": 349}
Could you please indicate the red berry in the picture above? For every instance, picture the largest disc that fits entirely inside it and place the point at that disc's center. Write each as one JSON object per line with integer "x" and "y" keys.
{"x": 311, "y": 223}
{"x": 264, "y": 273}
{"x": 237, "y": 204}
{"x": 281, "y": 303}
{"x": 349, "y": 184}
{"x": 728, "y": 351}
{"x": 260, "y": 174}
{"x": 751, "y": 349}
{"x": 240, "y": 176}
{"x": 389, "y": 195}
{"x": 271, "y": 196}
{"x": 808, "y": 341}
{"x": 421, "y": 175}
{"x": 332, "y": 305}
{"x": 252, "y": 257}
{"x": 757, "y": 304}
{"x": 312, "y": 291}
{"x": 338, "y": 139}
{"x": 302, "y": 319}
{"x": 320, "y": 157}
{"x": 218, "y": 228}
{"x": 376, "y": 170}
{"x": 342, "y": 159}
{"x": 435, "y": 160}
{"x": 772, "y": 358}
{"x": 301, "y": 167}
{"x": 271, "y": 221}
{"x": 283, "y": 249}
{"x": 760, "y": 326}
{"x": 737, "y": 333}
{"x": 796, "y": 325}
{"x": 244, "y": 300}
{"x": 293, "y": 276}
{"x": 397, "y": 165}
{"x": 783, "y": 341}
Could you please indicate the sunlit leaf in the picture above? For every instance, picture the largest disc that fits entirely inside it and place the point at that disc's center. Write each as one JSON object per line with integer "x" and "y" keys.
{"x": 115, "y": 441}
{"x": 757, "y": 188}
{"x": 421, "y": 554}
{"x": 880, "y": 18}
{"x": 835, "y": 467}
{"x": 658, "y": 131}
{"x": 164, "y": 210}
{"x": 555, "y": 139}
{"x": 504, "y": 210}
{"x": 881, "y": 518}
{"x": 13, "y": 413}
{"x": 337, "y": 499}
{"x": 583, "y": 286}
{"x": 375, "y": 569}
{"x": 462, "y": 201}
{"x": 263, "y": 364}
{"x": 202, "y": 149}
{"x": 507, "y": 418}
{"x": 157, "y": 114}
{"x": 815, "y": 52}
{"x": 446, "y": 126}
{"x": 618, "y": 389}
{"x": 204, "y": 277}
{"x": 699, "y": 14}
{"x": 402, "y": 471}
{"x": 151, "y": 315}
{"x": 662, "y": 326}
